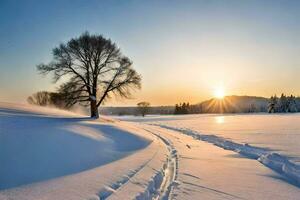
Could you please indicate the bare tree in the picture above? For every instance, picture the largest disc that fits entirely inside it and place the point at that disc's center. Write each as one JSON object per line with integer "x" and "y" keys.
{"x": 44, "y": 98}
{"x": 40, "y": 98}
{"x": 143, "y": 108}
{"x": 95, "y": 70}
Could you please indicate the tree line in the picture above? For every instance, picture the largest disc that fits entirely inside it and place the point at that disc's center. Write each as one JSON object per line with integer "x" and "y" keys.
{"x": 242, "y": 104}
{"x": 283, "y": 104}
{"x": 182, "y": 108}
{"x": 187, "y": 108}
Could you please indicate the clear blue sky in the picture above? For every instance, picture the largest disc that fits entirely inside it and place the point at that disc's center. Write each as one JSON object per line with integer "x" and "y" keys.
{"x": 183, "y": 49}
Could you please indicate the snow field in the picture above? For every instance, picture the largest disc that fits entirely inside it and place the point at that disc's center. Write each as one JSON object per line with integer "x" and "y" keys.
{"x": 206, "y": 171}
{"x": 275, "y": 161}
{"x": 129, "y": 154}
{"x": 137, "y": 160}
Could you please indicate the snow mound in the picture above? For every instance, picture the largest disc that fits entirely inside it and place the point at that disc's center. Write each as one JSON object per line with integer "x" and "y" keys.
{"x": 35, "y": 146}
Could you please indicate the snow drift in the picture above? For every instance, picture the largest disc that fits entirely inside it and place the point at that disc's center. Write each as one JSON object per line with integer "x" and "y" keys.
{"x": 36, "y": 147}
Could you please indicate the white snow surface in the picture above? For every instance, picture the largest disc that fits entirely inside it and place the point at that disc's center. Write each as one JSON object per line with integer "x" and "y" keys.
{"x": 275, "y": 161}
{"x": 279, "y": 132}
{"x": 53, "y": 154}
{"x": 205, "y": 171}
{"x": 283, "y": 168}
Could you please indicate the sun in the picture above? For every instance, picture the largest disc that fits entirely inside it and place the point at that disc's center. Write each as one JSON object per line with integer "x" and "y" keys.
{"x": 219, "y": 93}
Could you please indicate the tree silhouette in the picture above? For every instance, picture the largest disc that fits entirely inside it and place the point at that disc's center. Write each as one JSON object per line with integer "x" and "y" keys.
{"x": 44, "y": 98}
{"x": 41, "y": 98}
{"x": 143, "y": 108}
{"x": 94, "y": 69}
{"x": 272, "y": 106}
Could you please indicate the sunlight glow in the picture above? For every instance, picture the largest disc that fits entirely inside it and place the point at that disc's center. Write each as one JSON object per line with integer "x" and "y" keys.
{"x": 219, "y": 93}
{"x": 219, "y": 119}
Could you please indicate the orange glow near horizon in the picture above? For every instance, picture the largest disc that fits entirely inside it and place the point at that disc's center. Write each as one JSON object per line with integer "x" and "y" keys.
{"x": 219, "y": 93}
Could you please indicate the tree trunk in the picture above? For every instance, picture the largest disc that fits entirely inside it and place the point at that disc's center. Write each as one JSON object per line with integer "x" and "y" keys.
{"x": 94, "y": 109}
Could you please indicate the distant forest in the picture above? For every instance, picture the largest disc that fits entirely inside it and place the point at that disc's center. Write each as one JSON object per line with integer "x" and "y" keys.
{"x": 229, "y": 104}
{"x": 242, "y": 104}
{"x": 133, "y": 110}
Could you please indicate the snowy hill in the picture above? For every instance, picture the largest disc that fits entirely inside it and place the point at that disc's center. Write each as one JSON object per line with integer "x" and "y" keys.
{"x": 235, "y": 104}
{"x": 53, "y": 154}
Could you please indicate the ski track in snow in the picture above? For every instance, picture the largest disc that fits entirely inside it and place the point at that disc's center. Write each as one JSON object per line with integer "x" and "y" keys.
{"x": 169, "y": 171}
{"x": 109, "y": 190}
{"x": 275, "y": 161}
{"x": 160, "y": 185}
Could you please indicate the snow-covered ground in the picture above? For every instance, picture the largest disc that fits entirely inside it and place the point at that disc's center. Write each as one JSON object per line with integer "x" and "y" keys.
{"x": 249, "y": 140}
{"x": 53, "y": 154}
{"x": 35, "y": 147}
{"x": 279, "y": 132}
{"x": 206, "y": 171}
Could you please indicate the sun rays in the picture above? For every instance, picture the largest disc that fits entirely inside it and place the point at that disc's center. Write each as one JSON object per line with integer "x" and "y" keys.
{"x": 219, "y": 92}
{"x": 221, "y": 105}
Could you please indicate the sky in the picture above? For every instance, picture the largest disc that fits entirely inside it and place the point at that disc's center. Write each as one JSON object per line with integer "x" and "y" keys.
{"x": 184, "y": 50}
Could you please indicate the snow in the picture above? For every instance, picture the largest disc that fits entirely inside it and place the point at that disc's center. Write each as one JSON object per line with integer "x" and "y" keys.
{"x": 210, "y": 167}
{"x": 52, "y": 154}
{"x": 280, "y": 132}
{"x": 260, "y": 136}
{"x": 283, "y": 165}
{"x": 93, "y": 97}
{"x": 277, "y": 162}
{"x": 30, "y": 144}
{"x": 206, "y": 171}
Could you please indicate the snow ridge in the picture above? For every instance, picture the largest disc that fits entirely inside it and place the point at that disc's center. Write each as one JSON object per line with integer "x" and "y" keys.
{"x": 160, "y": 186}
{"x": 274, "y": 161}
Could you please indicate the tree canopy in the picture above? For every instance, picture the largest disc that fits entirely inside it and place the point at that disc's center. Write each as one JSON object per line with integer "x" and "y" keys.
{"x": 92, "y": 69}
